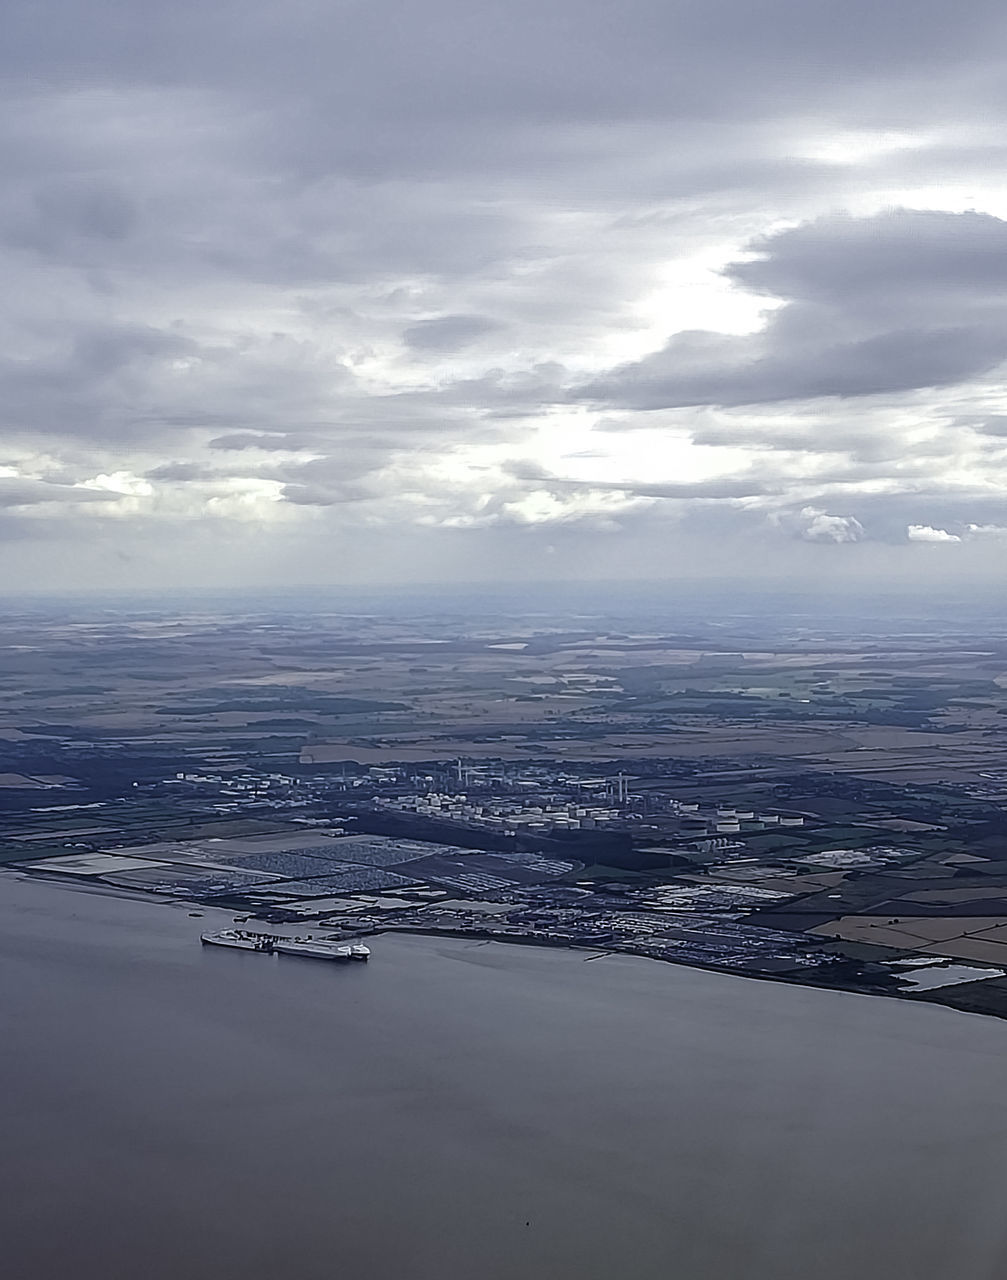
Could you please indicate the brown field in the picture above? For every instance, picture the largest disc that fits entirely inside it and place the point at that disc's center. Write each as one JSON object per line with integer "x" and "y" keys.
{"x": 196, "y": 682}
{"x": 965, "y": 938}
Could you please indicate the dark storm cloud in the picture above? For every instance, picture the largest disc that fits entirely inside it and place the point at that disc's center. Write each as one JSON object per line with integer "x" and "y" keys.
{"x": 178, "y": 471}
{"x": 892, "y": 303}
{"x": 346, "y": 475}
{"x": 451, "y": 60}
{"x": 278, "y": 443}
{"x": 62, "y": 216}
{"x": 306, "y": 495}
{"x": 448, "y": 333}
{"x": 710, "y": 490}
{"x": 74, "y": 379}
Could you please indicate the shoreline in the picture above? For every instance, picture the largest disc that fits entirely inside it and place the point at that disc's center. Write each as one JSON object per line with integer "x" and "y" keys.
{"x": 75, "y": 884}
{"x": 726, "y": 971}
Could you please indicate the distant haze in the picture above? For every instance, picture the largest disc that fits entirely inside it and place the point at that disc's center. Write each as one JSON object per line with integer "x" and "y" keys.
{"x": 470, "y": 292}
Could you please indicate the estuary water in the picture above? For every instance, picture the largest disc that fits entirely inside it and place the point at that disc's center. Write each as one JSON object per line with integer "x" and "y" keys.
{"x": 465, "y": 1111}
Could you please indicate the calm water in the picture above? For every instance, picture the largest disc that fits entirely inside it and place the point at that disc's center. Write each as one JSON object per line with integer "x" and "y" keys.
{"x": 473, "y": 1112}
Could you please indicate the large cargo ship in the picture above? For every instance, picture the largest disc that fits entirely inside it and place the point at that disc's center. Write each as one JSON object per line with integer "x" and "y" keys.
{"x": 239, "y": 938}
{"x": 312, "y": 948}
{"x": 320, "y": 949}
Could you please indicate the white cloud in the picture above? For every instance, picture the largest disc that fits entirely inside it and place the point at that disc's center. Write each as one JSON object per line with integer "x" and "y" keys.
{"x": 120, "y": 482}
{"x": 925, "y": 533}
{"x": 822, "y": 527}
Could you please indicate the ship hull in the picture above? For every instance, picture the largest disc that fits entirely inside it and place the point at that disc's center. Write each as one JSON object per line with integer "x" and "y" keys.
{"x": 236, "y": 941}
{"x": 308, "y": 948}
{"x": 319, "y": 951}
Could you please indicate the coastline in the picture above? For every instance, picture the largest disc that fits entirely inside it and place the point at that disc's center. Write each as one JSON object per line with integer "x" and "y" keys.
{"x": 933, "y": 997}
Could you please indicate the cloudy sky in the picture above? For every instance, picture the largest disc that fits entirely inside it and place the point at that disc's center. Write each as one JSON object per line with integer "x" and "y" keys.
{"x": 363, "y": 290}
